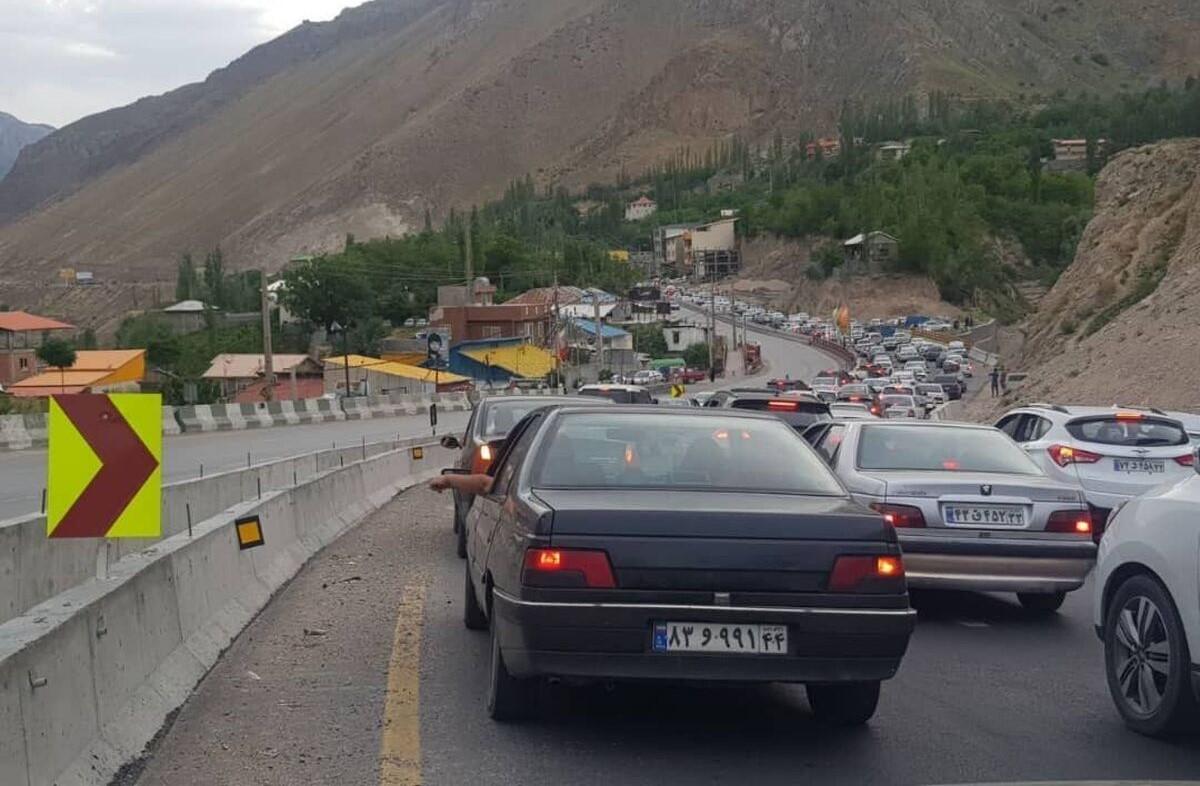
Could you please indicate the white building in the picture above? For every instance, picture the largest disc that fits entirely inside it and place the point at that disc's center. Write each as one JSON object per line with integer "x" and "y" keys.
{"x": 683, "y": 335}
{"x": 643, "y": 207}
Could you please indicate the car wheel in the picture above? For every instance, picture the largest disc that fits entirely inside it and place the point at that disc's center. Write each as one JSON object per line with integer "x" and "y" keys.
{"x": 1146, "y": 659}
{"x": 844, "y": 704}
{"x": 508, "y": 698}
{"x": 1042, "y": 602}
{"x": 473, "y": 616}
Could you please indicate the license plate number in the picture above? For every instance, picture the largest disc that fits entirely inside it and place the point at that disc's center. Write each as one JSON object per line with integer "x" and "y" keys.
{"x": 978, "y": 516}
{"x": 1146, "y": 466}
{"x": 720, "y": 638}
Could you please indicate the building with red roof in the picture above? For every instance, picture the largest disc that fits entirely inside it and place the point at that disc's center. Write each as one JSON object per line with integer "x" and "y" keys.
{"x": 20, "y": 336}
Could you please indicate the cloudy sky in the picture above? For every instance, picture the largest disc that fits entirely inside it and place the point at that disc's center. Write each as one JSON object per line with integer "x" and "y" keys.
{"x": 63, "y": 59}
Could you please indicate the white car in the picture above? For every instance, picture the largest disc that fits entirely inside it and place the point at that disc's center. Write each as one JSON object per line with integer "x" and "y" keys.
{"x": 1146, "y": 606}
{"x": 1113, "y": 453}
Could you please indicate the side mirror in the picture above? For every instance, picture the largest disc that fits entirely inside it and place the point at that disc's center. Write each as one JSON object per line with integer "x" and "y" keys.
{"x": 450, "y": 442}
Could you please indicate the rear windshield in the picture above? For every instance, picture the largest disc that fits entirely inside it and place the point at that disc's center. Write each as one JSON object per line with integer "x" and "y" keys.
{"x": 1133, "y": 433}
{"x": 797, "y": 414}
{"x": 642, "y": 450}
{"x": 854, "y": 390}
{"x": 619, "y": 395}
{"x": 923, "y": 389}
{"x": 939, "y": 449}
{"x": 502, "y": 416}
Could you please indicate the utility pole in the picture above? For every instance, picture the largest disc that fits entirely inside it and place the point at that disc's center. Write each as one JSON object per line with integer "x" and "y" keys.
{"x": 268, "y": 359}
{"x": 599, "y": 336}
{"x": 470, "y": 266}
{"x": 712, "y": 323}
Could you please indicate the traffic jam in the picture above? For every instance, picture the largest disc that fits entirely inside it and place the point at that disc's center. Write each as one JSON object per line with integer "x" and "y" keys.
{"x": 777, "y": 533}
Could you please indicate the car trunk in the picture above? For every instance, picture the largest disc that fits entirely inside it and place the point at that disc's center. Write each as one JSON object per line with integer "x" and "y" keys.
{"x": 1131, "y": 470}
{"x": 1035, "y": 497}
{"x": 716, "y": 541}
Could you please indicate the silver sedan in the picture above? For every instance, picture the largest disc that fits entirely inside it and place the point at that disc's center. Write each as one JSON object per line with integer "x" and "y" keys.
{"x": 971, "y": 510}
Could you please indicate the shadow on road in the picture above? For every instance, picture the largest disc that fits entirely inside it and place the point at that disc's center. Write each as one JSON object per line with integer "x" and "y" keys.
{"x": 955, "y": 606}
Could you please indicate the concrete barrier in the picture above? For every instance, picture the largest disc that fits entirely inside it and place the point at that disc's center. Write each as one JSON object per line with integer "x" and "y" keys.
{"x": 16, "y": 435}
{"x": 951, "y": 410}
{"x": 170, "y": 422}
{"x": 33, "y": 568}
{"x": 89, "y": 677}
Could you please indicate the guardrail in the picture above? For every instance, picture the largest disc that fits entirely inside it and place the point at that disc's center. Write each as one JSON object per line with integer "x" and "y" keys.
{"x": 88, "y": 677}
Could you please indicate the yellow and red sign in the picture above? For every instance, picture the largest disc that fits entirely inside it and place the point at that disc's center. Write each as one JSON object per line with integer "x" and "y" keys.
{"x": 105, "y": 466}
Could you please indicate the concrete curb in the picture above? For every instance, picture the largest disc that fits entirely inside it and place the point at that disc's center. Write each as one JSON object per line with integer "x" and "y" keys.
{"x": 89, "y": 677}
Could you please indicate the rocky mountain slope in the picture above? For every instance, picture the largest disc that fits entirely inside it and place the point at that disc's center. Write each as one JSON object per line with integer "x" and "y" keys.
{"x": 15, "y": 135}
{"x": 361, "y": 124}
{"x": 1122, "y": 324}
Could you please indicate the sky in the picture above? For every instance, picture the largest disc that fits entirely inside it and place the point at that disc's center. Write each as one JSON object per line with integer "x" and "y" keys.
{"x": 61, "y": 60}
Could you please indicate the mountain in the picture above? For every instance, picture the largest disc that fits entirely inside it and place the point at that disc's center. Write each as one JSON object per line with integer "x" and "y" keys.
{"x": 1122, "y": 322}
{"x": 15, "y": 135}
{"x": 363, "y": 123}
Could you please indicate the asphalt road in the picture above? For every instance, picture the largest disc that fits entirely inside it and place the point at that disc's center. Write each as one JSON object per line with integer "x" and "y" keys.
{"x": 361, "y": 671}
{"x": 23, "y": 472}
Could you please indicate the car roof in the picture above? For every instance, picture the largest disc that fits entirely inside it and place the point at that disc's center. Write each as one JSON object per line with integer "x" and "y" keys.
{"x": 655, "y": 409}
{"x": 524, "y": 399}
{"x": 612, "y": 386}
{"x": 1070, "y": 412}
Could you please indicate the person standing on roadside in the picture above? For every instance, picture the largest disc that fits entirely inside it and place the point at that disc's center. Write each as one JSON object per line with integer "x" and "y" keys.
{"x": 994, "y": 376}
{"x": 1003, "y": 379}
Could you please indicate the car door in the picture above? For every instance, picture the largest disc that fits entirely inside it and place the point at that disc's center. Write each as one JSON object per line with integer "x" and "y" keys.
{"x": 487, "y": 516}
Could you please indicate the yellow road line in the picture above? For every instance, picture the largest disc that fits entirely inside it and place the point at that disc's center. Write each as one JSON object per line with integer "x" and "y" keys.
{"x": 400, "y": 748}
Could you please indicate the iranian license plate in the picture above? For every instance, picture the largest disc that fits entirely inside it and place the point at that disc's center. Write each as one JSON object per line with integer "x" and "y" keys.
{"x": 1134, "y": 466}
{"x": 984, "y": 515}
{"x": 720, "y": 638}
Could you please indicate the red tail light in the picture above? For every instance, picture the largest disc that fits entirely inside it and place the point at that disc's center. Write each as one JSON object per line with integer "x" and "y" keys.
{"x": 1076, "y": 522}
{"x": 568, "y": 568}
{"x": 900, "y": 515}
{"x": 1063, "y": 455}
{"x": 1186, "y": 461}
{"x": 867, "y": 574}
{"x": 786, "y": 406}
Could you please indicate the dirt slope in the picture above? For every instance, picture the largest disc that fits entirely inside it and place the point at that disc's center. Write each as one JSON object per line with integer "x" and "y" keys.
{"x": 1089, "y": 343}
{"x": 359, "y": 125}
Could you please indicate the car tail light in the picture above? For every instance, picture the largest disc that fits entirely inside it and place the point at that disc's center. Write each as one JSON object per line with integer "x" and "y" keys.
{"x": 1063, "y": 455}
{"x": 568, "y": 568}
{"x": 867, "y": 574}
{"x": 1076, "y": 522}
{"x": 786, "y": 406}
{"x": 482, "y": 459}
{"x": 1186, "y": 461}
{"x": 1129, "y": 416}
{"x": 900, "y": 515}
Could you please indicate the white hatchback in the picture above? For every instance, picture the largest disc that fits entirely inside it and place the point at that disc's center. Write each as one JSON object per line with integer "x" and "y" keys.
{"x": 1147, "y": 606}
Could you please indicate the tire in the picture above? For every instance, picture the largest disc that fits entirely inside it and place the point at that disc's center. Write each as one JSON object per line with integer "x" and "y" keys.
{"x": 508, "y": 698}
{"x": 473, "y": 616}
{"x": 1042, "y": 603}
{"x": 844, "y": 704}
{"x": 1146, "y": 659}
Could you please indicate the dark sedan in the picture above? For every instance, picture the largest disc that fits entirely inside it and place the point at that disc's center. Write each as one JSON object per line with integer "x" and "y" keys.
{"x": 490, "y": 423}
{"x": 667, "y": 544}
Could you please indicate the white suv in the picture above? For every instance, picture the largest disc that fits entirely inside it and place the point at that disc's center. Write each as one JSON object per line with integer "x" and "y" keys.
{"x": 1146, "y": 607}
{"x": 1114, "y": 453}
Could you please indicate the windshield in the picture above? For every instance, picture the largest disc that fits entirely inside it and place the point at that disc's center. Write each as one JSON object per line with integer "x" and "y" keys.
{"x": 941, "y": 449}
{"x": 501, "y": 416}
{"x": 681, "y": 451}
{"x": 1133, "y": 432}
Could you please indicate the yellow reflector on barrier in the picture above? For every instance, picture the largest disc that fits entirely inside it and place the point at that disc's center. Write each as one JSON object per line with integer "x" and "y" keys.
{"x": 249, "y": 532}
{"x": 418, "y": 453}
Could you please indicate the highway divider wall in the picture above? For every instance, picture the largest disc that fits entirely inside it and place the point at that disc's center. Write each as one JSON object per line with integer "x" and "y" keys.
{"x": 19, "y": 432}
{"x": 34, "y": 568}
{"x": 89, "y": 677}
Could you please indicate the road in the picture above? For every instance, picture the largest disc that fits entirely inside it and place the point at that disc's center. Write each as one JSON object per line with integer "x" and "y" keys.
{"x": 387, "y": 686}
{"x": 23, "y": 472}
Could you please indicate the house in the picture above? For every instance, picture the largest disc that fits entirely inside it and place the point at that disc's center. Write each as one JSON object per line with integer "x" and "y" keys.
{"x": 1070, "y": 149}
{"x": 242, "y": 381}
{"x": 715, "y": 250}
{"x": 640, "y": 208}
{"x": 20, "y": 336}
{"x": 873, "y": 250}
{"x": 498, "y": 362}
{"x": 680, "y": 336}
{"x": 583, "y": 332}
{"x": 893, "y": 151}
{"x": 483, "y": 293}
{"x": 670, "y": 247}
{"x": 377, "y": 377}
{"x": 94, "y": 371}
{"x": 547, "y": 296}
{"x": 828, "y": 147}
{"x": 187, "y": 316}
{"x": 1071, "y": 155}
{"x": 506, "y": 320}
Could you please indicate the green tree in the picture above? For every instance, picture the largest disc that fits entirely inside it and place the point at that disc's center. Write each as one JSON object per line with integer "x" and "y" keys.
{"x": 650, "y": 339}
{"x": 59, "y": 354}
{"x": 88, "y": 340}
{"x": 368, "y": 335}
{"x": 186, "y": 284}
{"x": 324, "y": 291}
{"x": 696, "y": 356}
{"x": 214, "y": 278}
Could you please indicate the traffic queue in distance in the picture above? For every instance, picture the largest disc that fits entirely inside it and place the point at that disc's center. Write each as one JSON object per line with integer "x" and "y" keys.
{"x": 768, "y": 534}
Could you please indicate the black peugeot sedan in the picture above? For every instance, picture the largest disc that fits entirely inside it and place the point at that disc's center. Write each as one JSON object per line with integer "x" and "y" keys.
{"x": 671, "y": 544}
